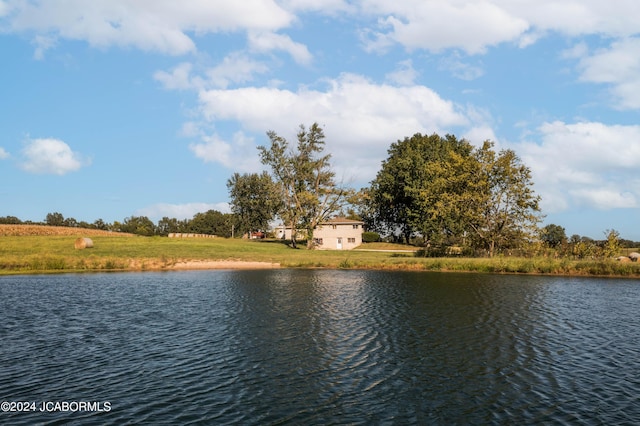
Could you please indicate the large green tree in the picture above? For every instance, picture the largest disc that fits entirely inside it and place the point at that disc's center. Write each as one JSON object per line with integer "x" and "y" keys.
{"x": 412, "y": 193}
{"x": 553, "y": 235}
{"x": 168, "y": 225}
{"x": 305, "y": 179}
{"x": 211, "y": 222}
{"x": 255, "y": 200}
{"x": 54, "y": 219}
{"x": 140, "y": 225}
{"x": 445, "y": 190}
{"x": 503, "y": 210}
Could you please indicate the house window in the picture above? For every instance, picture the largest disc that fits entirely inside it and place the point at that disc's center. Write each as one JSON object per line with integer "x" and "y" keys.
{"x": 355, "y": 226}
{"x": 351, "y": 240}
{"x": 318, "y": 241}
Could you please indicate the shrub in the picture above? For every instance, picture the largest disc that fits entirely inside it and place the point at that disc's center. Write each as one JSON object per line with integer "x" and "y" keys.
{"x": 370, "y": 237}
{"x": 345, "y": 264}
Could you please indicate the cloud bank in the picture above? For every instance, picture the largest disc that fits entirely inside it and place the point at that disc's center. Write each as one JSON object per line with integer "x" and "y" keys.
{"x": 51, "y": 156}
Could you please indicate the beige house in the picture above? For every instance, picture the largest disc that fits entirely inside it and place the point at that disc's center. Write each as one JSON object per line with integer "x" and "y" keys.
{"x": 284, "y": 233}
{"x": 334, "y": 234}
{"x": 338, "y": 234}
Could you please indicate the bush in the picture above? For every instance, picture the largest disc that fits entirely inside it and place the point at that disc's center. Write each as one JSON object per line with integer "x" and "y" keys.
{"x": 370, "y": 237}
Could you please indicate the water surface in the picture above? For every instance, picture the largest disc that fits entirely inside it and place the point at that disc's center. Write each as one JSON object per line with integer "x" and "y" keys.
{"x": 322, "y": 347}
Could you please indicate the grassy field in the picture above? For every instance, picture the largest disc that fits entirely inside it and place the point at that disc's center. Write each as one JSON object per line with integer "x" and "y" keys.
{"x": 21, "y": 254}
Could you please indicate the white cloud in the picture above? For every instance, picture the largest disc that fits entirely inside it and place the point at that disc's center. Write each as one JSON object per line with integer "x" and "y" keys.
{"x": 577, "y": 17}
{"x": 584, "y": 164}
{"x": 471, "y": 26}
{"x": 460, "y": 69}
{"x": 269, "y": 41}
{"x": 361, "y": 119}
{"x": 474, "y": 26}
{"x": 579, "y": 51}
{"x": 51, "y": 156}
{"x": 180, "y": 211}
{"x": 42, "y": 43}
{"x": 240, "y": 154}
{"x": 619, "y": 67}
{"x": 169, "y": 27}
{"x": 4, "y": 8}
{"x": 404, "y": 75}
{"x": 329, "y": 7}
{"x": 159, "y": 25}
{"x": 3, "y": 154}
{"x": 605, "y": 198}
{"x": 437, "y": 25}
{"x": 235, "y": 68}
{"x": 179, "y": 78}
{"x": 480, "y": 133}
{"x": 190, "y": 129}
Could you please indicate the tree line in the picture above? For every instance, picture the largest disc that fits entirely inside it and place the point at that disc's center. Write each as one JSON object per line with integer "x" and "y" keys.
{"x": 439, "y": 192}
{"x": 554, "y": 237}
{"x": 440, "y": 189}
{"x": 211, "y": 222}
{"x": 452, "y": 194}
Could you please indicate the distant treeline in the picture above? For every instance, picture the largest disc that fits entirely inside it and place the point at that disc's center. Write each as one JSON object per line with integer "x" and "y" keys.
{"x": 214, "y": 222}
{"x": 211, "y": 222}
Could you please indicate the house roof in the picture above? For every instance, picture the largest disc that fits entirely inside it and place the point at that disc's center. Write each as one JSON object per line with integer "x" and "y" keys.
{"x": 332, "y": 221}
{"x": 341, "y": 221}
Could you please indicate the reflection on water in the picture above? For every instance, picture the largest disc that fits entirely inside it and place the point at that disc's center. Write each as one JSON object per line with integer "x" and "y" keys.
{"x": 321, "y": 346}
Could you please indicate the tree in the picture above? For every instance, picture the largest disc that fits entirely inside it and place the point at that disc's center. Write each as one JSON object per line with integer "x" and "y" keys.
{"x": 71, "y": 222}
{"x": 445, "y": 191}
{"x": 168, "y": 225}
{"x": 211, "y": 222}
{"x": 255, "y": 200}
{"x": 139, "y": 225}
{"x": 418, "y": 187}
{"x": 553, "y": 235}
{"x": 100, "y": 224}
{"x": 55, "y": 219}
{"x": 504, "y": 209}
{"x": 611, "y": 246}
{"x": 305, "y": 180}
{"x": 10, "y": 220}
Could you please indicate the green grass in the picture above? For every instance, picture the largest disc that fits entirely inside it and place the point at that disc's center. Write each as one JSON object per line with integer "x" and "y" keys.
{"x": 37, "y": 254}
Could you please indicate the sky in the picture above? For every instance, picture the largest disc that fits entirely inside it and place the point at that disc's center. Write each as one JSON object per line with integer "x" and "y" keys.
{"x": 119, "y": 108}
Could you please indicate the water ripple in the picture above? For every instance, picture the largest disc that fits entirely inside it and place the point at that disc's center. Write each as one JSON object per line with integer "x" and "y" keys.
{"x": 321, "y": 347}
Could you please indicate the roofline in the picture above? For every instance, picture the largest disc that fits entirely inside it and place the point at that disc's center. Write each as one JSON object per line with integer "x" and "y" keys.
{"x": 341, "y": 220}
{"x": 335, "y": 221}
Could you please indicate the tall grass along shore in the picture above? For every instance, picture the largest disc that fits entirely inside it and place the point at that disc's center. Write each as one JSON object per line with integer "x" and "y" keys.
{"x": 50, "y": 249}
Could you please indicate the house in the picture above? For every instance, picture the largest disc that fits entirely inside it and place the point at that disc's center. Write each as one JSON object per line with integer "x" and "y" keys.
{"x": 338, "y": 234}
{"x": 284, "y": 233}
{"x": 333, "y": 234}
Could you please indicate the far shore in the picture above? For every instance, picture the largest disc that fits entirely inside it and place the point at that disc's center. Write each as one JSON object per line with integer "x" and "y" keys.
{"x": 53, "y": 250}
{"x": 222, "y": 264}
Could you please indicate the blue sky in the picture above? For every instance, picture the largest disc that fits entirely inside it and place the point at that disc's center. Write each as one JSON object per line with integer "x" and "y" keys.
{"x": 113, "y": 108}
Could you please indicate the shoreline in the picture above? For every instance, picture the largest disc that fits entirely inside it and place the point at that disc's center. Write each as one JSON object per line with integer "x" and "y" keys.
{"x": 23, "y": 255}
{"x": 212, "y": 265}
{"x": 221, "y": 264}
{"x": 194, "y": 264}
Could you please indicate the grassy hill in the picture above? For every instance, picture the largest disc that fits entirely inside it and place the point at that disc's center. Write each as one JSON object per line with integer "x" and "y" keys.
{"x": 44, "y": 230}
{"x": 37, "y": 249}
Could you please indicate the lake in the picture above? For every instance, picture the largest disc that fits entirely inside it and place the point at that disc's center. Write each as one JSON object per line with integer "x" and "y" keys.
{"x": 318, "y": 347}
